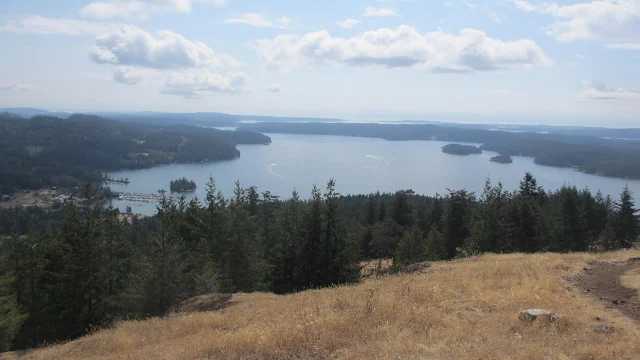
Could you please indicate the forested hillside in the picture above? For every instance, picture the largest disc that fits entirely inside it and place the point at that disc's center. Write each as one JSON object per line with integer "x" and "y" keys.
{"x": 64, "y": 272}
{"x": 48, "y": 151}
{"x": 609, "y": 157}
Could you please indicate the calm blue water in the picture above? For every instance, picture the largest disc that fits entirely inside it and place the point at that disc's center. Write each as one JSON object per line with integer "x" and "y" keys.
{"x": 359, "y": 165}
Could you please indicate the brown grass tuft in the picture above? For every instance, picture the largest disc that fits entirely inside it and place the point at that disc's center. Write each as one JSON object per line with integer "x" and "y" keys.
{"x": 465, "y": 309}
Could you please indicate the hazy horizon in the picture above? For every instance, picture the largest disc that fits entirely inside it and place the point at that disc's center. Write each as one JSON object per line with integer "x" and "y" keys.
{"x": 459, "y": 118}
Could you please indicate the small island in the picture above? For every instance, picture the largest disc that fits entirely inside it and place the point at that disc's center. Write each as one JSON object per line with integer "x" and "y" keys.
{"x": 182, "y": 185}
{"x": 502, "y": 159}
{"x": 458, "y": 149}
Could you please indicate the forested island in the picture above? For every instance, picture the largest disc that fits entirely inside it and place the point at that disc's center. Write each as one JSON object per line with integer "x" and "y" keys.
{"x": 590, "y": 154}
{"x": 458, "y": 149}
{"x": 502, "y": 159}
{"x": 182, "y": 185}
{"x": 109, "y": 179}
{"x": 47, "y": 151}
{"x": 65, "y": 272}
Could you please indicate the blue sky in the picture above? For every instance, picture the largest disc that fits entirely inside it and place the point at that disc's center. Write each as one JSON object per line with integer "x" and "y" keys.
{"x": 508, "y": 61}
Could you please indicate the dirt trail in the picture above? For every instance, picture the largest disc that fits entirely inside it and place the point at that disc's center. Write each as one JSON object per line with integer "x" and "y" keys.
{"x": 602, "y": 280}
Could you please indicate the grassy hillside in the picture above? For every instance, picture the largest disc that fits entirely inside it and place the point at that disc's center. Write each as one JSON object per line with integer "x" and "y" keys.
{"x": 465, "y": 309}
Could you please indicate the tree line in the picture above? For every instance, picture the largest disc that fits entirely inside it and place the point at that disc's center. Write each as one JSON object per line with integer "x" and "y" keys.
{"x": 65, "y": 272}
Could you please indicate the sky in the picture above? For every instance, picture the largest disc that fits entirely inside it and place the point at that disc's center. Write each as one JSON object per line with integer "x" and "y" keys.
{"x": 502, "y": 61}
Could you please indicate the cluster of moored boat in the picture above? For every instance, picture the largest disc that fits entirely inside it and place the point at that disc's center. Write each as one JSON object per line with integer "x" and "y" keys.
{"x": 145, "y": 197}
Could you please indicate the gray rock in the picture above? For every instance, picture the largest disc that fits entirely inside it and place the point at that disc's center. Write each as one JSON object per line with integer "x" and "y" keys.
{"x": 531, "y": 315}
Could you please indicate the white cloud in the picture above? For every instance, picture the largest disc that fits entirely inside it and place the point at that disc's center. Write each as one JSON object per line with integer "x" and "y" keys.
{"x": 448, "y": 3}
{"x": 15, "y": 86}
{"x": 402, "y": 47}
{"x": 197, "y": 82}
{"x": 274, "y": 88}
{"x": 132, "y": 76}
{"x": 259, "y": 20}
{"x": 612, "y": 20}
{"x": 524, "y": 5}
{"x": 602, "y": 19}
{"x": 625, "y": 46}
{"x": 51, "y": 26}
{"x": 378, "y": 12}
{"x": 348, "y": 23}
{"x": 597, "y": 90}
{"x": 133, "y": 46}
{"x": 469, "y": 4}
{"x": 127, "y": 9}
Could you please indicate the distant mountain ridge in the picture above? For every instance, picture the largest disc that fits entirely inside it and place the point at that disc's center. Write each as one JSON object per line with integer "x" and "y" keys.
{"x": 207, "y": 119}
{"x": 165, "y": 118}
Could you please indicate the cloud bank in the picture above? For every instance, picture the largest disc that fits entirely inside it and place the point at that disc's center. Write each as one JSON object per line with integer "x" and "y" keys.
{"x": 597, "y": 90}
{"x": 133, "y": 46}
{"x": 197, "y": 82}
{"x": 403, "y": 47}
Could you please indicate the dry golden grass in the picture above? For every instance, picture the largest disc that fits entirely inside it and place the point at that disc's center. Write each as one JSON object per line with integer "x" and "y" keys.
{"x": 370, "y": 267}
{"x": 466, "y": 309}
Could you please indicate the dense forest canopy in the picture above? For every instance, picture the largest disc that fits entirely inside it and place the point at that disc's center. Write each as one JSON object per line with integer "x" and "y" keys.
{"x": 64, "y": 272}
{"x": 47, "y": 151}
{"x": 502, "y": 159}
{"x": 182, "y": 184}
{"x": 459, "y": 149}
{"x": 610, "y": 157}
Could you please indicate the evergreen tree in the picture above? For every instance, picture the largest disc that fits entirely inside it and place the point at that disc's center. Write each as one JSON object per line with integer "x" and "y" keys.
{"x": 525, "y": 227}
{"x": 401, "y": 210}
{"x": 166, "y": 283}
{"x": 312, "y": 243}
{"x": 435, "y": 247}
{"x": 338, "y": 265}
{"x": 287, "y": 274}
{"x": 411, "y": 248}
{"x": 382, "y": 215}
{"x": 116, "y": 270}
{"x": 10, "y": 316}
{"x": 570, "y": 229}
{"x": 242, "y": 235}
{"x": 457, "y": 220}
{"x": 489, "y": 221}
{"x": 626, "y": 220}
{"x": 367, "y": 238}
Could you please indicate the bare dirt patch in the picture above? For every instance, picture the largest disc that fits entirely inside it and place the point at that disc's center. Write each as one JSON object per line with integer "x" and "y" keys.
{"x": 602, "y": 280}
{"x": 41, "y": 198}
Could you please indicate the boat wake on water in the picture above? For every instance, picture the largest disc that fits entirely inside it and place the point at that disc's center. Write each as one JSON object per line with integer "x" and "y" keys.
{"x": 273, "y": 172}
